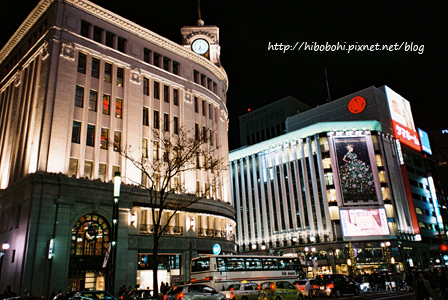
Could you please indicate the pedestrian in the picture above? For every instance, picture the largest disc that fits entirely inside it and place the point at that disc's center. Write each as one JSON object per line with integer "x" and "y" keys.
{"x": 421, "y": 287}
{"x": 443, "y": 282}
{"x": 162, "y": 287}
{"x": 53, "y": 294}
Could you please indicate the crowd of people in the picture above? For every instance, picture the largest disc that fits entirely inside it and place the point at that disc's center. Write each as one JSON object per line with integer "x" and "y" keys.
{"x": 420, "y": 282}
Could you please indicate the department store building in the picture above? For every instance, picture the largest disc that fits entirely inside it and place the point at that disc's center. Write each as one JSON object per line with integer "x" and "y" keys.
{"x": 72, "y": 77}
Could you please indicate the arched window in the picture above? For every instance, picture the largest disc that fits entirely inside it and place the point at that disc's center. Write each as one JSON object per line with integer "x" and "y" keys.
{"x": 90, "y": 236}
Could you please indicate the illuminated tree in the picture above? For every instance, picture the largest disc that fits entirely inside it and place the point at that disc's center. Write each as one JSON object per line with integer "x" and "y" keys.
{"x": 353, "y": 265}
{"x": 173, "y": 156}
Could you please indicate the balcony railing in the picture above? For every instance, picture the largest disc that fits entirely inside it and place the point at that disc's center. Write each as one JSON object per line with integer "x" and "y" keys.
{"x": 169, "y": 230}
{"x": 213, "y": 233}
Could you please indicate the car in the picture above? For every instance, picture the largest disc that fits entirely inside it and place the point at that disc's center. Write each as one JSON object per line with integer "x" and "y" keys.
{"x": 138, "y": 295}
{"x": 241, "y": 291}
{"x": 95, "y": 295}
{"x": 193, "y": 292}
{"x": 275, "y": 290}
{"x": 336, "y": 285}
{"x": 307, "y": 286}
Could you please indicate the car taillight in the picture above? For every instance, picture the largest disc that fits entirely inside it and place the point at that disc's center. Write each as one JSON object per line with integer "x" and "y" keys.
{"x": 302, "y": 288}
{"x": 315, "y": 286}
{"x": 164, "y": 297}
{"x": 193, "y": 280}
{"x": 273, "y": 286}
{"x": 331, "y": 286}
{"x": 231, "y": 289}
{"x": 209, "y": 278}
{"x": 232, "y": 296}
{"x": 259, "y": 287}
{"x": 180, "y": 296}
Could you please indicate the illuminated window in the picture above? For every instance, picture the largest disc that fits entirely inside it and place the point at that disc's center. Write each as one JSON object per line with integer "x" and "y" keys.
{"x": 382, "y": 175}
{"x": 421, "y": 225}
{"x": 90, "y": 141}
{"x": 326, "y": 162}
{"x": 90, "y": 236}
{"x": 82, "y": 60}
{"x": 79, "y": 96}
{"x": 102, "y": 172}
{"x": 88, "y": 169}
{"x": 155, "y": 149}
{"x": 93, "y": 100}
{"x": 76, "y": 132}
{"x": 118, "y": 108}
{"x": 144, "y": 148}
{"x": 329, "y": 180}
{"x": 385, "y": 193}
{"x": 104, "y": 138}
{"x": 106, "y": 104}
{"x": 120, "y": 76}
{"x": 379, "y": 160}
{"x": 117, "y": 141}
{"x": 73, "y": 167}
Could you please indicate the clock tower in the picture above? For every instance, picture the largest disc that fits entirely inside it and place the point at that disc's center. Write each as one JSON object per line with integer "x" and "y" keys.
{"x": 202, "y": 40}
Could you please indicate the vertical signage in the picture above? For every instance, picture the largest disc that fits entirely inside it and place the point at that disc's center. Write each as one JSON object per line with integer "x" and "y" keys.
{"x": 424, "y": 139}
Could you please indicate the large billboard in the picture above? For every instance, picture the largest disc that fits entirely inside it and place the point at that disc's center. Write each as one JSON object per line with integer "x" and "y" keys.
{"x": 355, "y": 170}
{"x": 400, "y": 109}
{"x": 402, "y": 120}
{"x": 364, "y": 223}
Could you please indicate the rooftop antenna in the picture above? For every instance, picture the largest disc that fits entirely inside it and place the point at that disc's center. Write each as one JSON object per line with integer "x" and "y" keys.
{"x": 200, "y": 22}
{"x": 328, "y": 88}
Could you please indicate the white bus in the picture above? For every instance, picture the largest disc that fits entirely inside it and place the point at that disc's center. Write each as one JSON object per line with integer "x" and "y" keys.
{"x": 219, "y": 271}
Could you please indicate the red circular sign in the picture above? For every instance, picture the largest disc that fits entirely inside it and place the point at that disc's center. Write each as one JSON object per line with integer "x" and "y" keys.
{"x": 357, "y": 105}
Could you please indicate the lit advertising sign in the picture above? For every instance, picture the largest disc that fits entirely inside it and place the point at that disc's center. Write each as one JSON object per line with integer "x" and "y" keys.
{"x": 406, "y": 136}
{"x": 354, "y": 169}
{"x": 364, "y": 223}
{"x": 424, "y": 139}
{"x": 400, "y": 153}
{"x": 400, "y": 109}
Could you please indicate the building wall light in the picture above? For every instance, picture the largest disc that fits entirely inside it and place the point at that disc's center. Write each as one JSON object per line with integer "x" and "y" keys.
{"x": 192, "y": 223}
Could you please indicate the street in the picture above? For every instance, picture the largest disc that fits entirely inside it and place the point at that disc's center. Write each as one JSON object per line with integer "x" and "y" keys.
{"x": 400, "y": 295}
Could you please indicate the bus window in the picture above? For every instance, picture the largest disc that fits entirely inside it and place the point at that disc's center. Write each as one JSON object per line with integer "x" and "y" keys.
{"x": 202, "y": 264}
{"x": 253, "y": 264}
{"x": 221, "y": 264}
{"x": 270, "y": 263}
{"x": 236, "y": 263}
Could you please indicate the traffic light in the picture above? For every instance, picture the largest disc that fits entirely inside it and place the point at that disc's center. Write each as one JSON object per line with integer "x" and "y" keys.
{"x": 444, "y": 247}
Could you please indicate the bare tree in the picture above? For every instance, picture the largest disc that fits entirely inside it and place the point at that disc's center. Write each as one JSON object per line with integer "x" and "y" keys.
{"x": 162, "y": 176}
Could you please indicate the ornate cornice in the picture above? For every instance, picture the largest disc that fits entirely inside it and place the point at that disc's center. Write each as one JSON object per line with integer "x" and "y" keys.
{"x": 148, "y": 35}
{"x": 118, "y": 21}
{"x": 24, "y": 27}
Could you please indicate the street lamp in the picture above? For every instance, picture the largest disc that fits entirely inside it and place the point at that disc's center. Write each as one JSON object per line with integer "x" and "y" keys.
{"x": 386, "y": 254}
{"x": 5, "y": 247}
{"x": 113, "y": 249}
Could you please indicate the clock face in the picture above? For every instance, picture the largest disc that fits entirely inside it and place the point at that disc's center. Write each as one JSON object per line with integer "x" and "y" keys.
{"x": 357, "y": 105}
{"x": 200, "y": 46}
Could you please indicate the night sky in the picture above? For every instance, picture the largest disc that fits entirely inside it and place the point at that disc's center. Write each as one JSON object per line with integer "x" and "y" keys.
{"x": 258, "y": 76}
